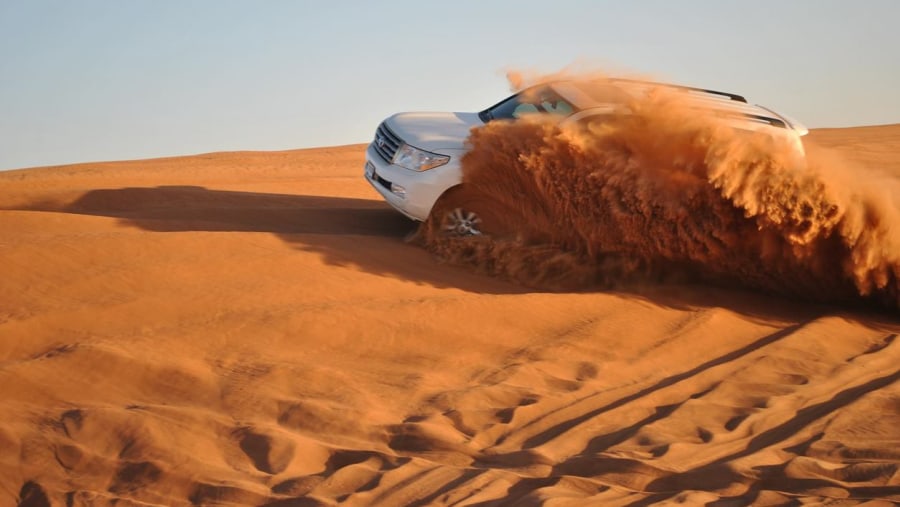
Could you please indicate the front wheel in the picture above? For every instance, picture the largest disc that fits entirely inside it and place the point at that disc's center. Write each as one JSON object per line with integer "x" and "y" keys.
{"x": 463, "y": 211}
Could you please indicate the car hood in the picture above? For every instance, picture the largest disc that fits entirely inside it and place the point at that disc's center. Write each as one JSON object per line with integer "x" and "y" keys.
{"x": 434, "y": 131}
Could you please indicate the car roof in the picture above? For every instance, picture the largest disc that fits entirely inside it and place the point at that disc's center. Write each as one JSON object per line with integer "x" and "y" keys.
{"x": 600, "y": 93}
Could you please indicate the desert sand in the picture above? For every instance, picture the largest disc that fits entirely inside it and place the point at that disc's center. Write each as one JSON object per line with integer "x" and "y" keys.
{"x": 251, "y": 328}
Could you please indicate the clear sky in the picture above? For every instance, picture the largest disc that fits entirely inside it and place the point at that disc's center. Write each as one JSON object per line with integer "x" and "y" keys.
{"x": 89, "y": 80}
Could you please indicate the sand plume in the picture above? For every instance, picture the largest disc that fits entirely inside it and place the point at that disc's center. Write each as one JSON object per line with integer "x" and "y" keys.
{"x": 662, "y": 188}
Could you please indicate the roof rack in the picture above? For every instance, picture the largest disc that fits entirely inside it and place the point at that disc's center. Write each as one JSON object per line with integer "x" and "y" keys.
{"x": 775, "y": 122}
{"x": 730, "y": 96}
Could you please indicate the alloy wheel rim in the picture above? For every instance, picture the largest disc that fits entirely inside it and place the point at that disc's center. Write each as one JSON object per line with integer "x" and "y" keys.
{"x": 462, "y": 222}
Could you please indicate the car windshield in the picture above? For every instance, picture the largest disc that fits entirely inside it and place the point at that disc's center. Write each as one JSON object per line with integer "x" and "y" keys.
{"x": 534, "y": 100}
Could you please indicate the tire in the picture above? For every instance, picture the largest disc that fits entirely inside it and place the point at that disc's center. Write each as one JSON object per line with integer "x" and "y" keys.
{"x": 465, "y": 212}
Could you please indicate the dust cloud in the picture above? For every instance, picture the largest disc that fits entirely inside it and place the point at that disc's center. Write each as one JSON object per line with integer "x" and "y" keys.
{"x": 661, "y": 190}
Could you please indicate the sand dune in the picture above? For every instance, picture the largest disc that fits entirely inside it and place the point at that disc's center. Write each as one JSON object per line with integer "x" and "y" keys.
{"x": 252, "y": 329}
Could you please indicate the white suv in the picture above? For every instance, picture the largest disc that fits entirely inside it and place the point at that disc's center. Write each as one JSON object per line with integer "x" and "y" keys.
{"x": 414, "y": 158}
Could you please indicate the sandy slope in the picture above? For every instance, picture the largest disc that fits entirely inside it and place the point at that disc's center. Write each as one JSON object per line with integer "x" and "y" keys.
{"x": 251, "y": 329}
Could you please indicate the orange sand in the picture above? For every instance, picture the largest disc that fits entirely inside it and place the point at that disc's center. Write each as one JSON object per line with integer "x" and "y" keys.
{"x": 252, "y": 329}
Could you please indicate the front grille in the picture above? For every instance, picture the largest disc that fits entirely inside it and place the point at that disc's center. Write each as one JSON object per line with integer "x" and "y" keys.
{"x": 386, "y": 142}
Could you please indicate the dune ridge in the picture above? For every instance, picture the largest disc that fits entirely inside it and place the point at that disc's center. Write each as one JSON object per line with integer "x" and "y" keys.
{"x": 253, "y": 329}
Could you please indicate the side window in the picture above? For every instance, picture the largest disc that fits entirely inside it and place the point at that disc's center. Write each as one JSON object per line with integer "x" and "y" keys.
{"x": 523, "y": 109}
{"x": 542, "y": 101}
{"x": 558, "y": 107}
{"x": 530, "y": 102}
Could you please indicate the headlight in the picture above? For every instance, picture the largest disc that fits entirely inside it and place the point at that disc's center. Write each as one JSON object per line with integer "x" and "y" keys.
{"x": 418, "y": 160}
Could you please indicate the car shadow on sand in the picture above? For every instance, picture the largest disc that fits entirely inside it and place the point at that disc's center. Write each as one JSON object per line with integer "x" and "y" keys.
{"x": 364, "y": 233}
{"x": 370, "y": 236}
